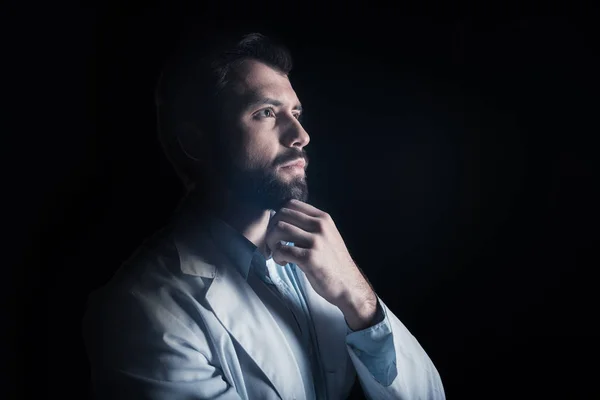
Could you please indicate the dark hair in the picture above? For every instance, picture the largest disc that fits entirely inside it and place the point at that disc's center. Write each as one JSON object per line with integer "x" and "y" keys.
{"x": 191, "y": 85}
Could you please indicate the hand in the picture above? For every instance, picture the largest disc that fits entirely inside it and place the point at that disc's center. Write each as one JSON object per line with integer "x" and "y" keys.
{"x": 320, "y": 252}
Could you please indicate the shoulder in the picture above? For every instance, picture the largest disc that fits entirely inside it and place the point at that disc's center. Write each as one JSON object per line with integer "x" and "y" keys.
{"x": 151, "y": 279}
{"x": 147, "y": 304}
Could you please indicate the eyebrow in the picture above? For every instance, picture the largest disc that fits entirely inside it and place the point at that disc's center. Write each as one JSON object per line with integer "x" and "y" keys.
{"x": 257, "y": 101}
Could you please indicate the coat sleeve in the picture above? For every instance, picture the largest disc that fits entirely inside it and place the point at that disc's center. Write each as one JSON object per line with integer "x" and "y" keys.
{"x": 410, "y": 373}
{"x": 140, "y": 350}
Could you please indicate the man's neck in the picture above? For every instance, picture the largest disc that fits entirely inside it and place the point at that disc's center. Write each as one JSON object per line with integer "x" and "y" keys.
{"x": 250, "y": 221}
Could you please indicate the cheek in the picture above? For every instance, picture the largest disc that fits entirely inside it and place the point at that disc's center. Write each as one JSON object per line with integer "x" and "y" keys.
{"x": 259, "y": 155}
{"x": 260, "y": 150}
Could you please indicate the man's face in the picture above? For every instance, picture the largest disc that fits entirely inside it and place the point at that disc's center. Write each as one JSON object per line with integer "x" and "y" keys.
{"x": 263, "y": 134}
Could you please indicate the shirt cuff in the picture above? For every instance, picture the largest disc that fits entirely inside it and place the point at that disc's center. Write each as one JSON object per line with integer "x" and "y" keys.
{"x": 374, "y": 346}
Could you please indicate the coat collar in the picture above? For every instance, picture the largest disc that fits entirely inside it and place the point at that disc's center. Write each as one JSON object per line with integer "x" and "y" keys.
{"x": 192, "y": 223}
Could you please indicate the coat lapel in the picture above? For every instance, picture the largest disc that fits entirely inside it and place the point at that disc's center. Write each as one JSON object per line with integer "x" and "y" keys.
{"x": 239, "y": 309}
{"x": 247, "y": 319}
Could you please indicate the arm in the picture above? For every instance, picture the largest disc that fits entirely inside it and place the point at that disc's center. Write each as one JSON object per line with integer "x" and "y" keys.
{"x": 140, "y": 350}
{"x": 389, "y": 361}
{"x": 319, "y": 250}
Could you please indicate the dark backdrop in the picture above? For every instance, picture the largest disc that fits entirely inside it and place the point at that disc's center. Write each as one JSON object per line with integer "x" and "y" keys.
{"x": 454, "y": 155}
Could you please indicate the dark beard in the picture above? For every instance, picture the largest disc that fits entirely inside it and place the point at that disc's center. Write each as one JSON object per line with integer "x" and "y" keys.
{"x": 264, "y": 190}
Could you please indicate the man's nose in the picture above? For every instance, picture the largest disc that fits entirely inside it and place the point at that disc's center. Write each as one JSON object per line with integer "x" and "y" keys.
{"x": 296, "y": 135}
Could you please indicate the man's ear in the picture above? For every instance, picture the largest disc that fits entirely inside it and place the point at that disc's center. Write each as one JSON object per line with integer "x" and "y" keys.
{"x": 192, "y": 141}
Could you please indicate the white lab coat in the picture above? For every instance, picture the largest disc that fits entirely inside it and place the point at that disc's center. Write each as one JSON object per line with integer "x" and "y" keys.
{"x": 179, "y": 322}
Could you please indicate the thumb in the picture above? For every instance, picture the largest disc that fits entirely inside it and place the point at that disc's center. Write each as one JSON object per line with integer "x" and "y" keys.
{"x": 269, "y": 227}
{"x": 272, "y": 220}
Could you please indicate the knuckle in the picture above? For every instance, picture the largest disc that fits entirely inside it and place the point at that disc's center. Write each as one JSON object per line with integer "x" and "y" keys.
{"x": 317, "y": 244}
{"x": 319, "y": 226}
{"x": 281, "y": 225}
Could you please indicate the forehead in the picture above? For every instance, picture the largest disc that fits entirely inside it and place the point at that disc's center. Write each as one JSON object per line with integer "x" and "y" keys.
{"x": 255, "y": 80}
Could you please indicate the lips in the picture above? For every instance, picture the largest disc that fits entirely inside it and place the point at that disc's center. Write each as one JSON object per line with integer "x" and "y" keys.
{"x": 300, "y": 163}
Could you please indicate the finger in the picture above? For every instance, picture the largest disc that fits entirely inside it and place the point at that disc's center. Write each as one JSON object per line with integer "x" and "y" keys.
{"x": 305, "y": 208}
{"x": 289, "y": 233}
{"x": 283, "y": 255}
{"x": 296, "y": 218}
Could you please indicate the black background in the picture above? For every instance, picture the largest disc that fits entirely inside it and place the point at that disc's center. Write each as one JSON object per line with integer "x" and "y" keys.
{"x": 454, "y": 155}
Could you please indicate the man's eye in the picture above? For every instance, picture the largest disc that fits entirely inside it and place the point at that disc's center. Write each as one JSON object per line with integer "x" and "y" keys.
{"x": 266, "y": 113}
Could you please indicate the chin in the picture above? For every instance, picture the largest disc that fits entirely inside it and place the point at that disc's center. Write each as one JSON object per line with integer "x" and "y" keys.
{"x": 275, "y": 199}
{"x": 270, "y": 191}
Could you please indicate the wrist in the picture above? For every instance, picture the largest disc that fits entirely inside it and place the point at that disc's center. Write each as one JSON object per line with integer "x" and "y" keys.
{"x": 360, "y": 312}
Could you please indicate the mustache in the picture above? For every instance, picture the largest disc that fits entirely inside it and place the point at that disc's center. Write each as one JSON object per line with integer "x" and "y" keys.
{"x": 291, "y": 156}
